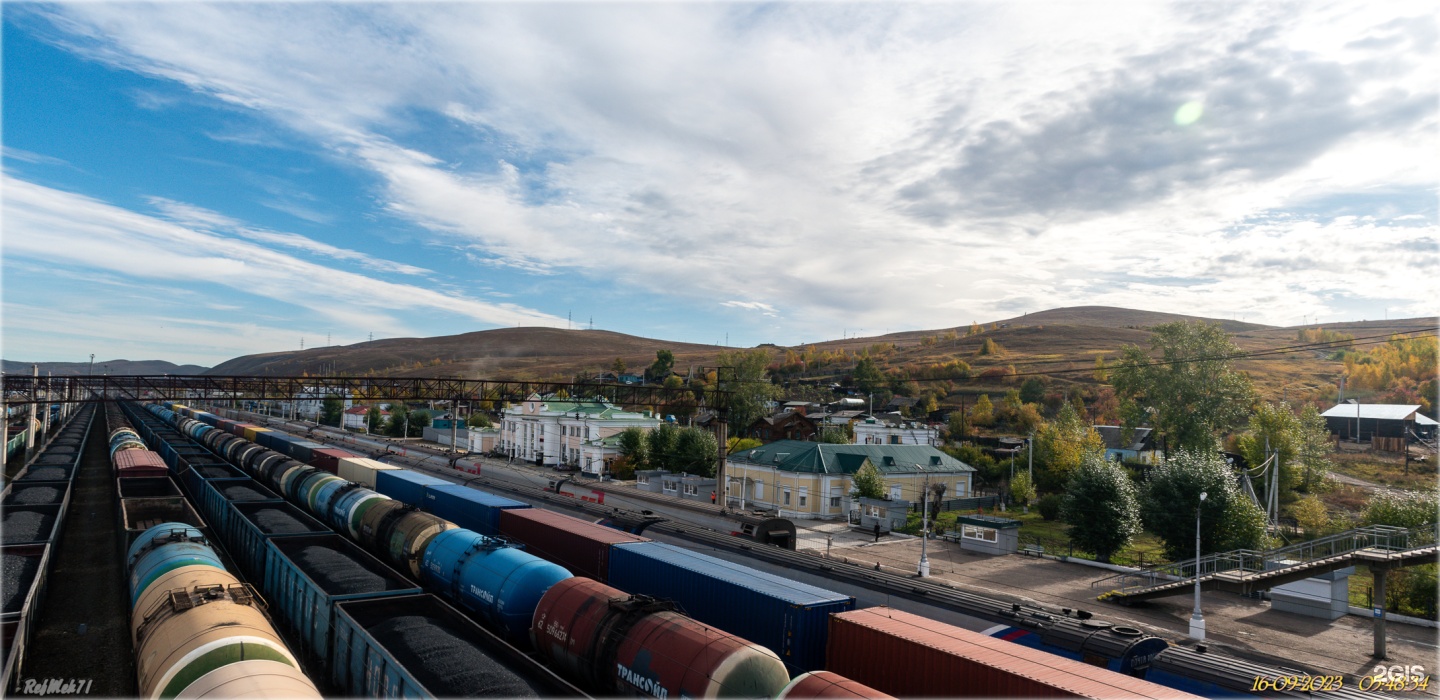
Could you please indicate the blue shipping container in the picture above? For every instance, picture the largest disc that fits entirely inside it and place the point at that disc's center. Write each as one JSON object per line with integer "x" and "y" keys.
{"x": 405, "y": 486}
{"x": 790, "y": 618}
{"x": 306, "y": 576}
{"x": 470, "y": 509}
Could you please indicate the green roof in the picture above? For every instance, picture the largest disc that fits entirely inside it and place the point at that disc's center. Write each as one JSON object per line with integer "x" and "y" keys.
{"x": 825, "y": 458}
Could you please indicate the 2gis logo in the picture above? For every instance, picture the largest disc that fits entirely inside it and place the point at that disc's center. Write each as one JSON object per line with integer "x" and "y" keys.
{"x": 1396, "y": 678}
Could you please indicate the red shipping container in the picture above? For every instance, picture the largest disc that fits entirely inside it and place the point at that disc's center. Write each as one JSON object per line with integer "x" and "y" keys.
{"x": 329, "y": 458}
{"x": 619, "y": 643}
{"x": 134, "y": 463}
{"x": 580, "y": 546}
{"x": 824, "y": 684}
{"x": 910, "y": 656}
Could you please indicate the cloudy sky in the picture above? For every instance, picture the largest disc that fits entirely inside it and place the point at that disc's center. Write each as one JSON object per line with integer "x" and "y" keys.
{"x": 193, "y": 182}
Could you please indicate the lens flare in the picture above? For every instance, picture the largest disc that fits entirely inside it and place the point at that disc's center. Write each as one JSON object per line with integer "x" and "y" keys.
{"x": 1189, "y": 113}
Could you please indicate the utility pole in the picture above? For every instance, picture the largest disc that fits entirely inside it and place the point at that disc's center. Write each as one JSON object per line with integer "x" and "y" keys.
{"x": 1197, "y": 619}
{"x": 30, "y": 424}
{"x": 5, "y": 426}
{"x": 924, "y": 527}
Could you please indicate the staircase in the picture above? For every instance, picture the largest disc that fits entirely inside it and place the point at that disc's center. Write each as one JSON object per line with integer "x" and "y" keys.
{"x": 1245, "y": 571}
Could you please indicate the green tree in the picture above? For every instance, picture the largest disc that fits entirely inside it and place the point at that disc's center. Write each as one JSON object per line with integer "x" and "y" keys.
{"x": 1061, "y": 446}
{"x": 739, "y": 444}
{"x": 660, "y": 369}
{"x": 957, "y": 425}
{"x": 478, "y": 419}
{"x": 1273, "y": 427}
{"x": 1101, "y": 506}
{"x": 990, "y": 347}
{"x": 1032, "y": 390}
{"x": 867, "y": 376}
{"x": 374, "y": 419}
{"x": 696, "y": 451}
{"x": 1021, "y": 490}
{"x": 983, "y": 412}
{"x": 834, "y": 435}
{"x": 618, "y": 366}
{"x": 1313, "y": 450}
{"x": 1027, "y": 418}
{"x": 419, "y": 421}
{"x": 663, "y": 441}
{"x": 1190, "y": 393}
{"x": 742, "y": 373}
{"x": 867, "y": 482}
{"x": 1229, "y": 519}
{"x": 1102, "y": 372}
{"x": 635, "y": 447}
{"x": 1406, "y": 509}
{"x": 399, "y": 415}
{"x": 331, "y": 410}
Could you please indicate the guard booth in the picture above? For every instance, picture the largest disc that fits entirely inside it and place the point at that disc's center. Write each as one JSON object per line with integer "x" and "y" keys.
{"x": 988, "y": 534}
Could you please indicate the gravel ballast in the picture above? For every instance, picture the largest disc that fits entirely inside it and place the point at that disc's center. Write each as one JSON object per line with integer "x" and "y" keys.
{"x": 274, "y": 521}
{"x": 35, "y": 495}
{"x": 26, "y": 526}
{"x": 447, "y": 665}
{"x": 19, "y": 573}
{"x": 46, "y": 474}
{"x": 245, "y": 492}
{"x": 338, "y": 572}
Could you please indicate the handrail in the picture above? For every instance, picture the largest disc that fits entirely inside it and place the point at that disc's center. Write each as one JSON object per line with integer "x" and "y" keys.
{"x": 1387, "y": 538}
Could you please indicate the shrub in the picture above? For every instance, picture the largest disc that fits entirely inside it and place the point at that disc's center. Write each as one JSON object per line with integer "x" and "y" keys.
{"x": 1049, "y": 506}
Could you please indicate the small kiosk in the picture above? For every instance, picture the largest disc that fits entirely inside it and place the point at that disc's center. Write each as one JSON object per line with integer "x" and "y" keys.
{"x": 988, "y": 534}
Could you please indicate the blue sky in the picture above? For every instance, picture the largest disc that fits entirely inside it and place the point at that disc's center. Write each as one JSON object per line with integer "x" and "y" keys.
{"x": 194, "y": 182}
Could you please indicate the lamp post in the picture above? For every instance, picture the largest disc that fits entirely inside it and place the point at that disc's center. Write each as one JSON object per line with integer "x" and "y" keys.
{"x": 1197, "y": 620}
{"x": 924, "y": 526}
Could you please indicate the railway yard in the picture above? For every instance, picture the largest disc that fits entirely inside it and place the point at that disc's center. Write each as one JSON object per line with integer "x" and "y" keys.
{"x": 381, "y": 579}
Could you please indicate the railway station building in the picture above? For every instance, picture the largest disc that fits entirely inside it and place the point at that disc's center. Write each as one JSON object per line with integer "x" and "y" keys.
{"x": 567, "y": 433}
{"x": 808, "y": 480}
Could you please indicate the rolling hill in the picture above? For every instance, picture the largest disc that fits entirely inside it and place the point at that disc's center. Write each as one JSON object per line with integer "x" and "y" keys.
{"x": 118, "y": 367}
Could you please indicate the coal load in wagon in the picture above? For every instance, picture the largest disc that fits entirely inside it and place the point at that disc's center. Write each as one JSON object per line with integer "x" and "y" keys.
{"x": 18, "y": 573}
{"x": 447, "y": 665}
{"x": 67, "y": 450}
{"x": 245, "y": 492}
{"x": 338, "y": 572}
{"x": 46, "y": 474}
{"x": 34, "y": 495}
{"x": 215, "y": 472}
{"x": 48, "y": 458}
{"x": 274, "y": 521}
{"x": 26, "y": 526}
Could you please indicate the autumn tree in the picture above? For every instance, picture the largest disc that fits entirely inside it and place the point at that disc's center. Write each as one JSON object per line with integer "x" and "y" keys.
{"x": 835, "y": 435}
{"x": 1186, "y": 387}
{"x": 1021, "y": 490}
{"x": 1062, "y": 445}
{"x": 983, "y": 412}
{"x": 1101, "y": 506}
{"x": 742, "y": 374}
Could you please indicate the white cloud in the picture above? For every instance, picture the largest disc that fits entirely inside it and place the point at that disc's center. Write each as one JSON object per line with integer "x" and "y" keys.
{"x": 842, "y": 160}
{"x": 62, "y": 228}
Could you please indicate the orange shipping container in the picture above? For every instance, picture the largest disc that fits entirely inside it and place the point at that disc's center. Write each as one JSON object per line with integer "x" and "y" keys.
{"x": 910, "y": 656}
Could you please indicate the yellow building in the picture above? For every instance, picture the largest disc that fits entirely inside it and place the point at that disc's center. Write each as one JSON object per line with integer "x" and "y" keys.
{"x": 809, "y": 480}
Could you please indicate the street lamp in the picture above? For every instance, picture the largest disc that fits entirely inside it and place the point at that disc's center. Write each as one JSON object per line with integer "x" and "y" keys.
{"x": 1197, "y": 620}
{"x": 924, "y": 525}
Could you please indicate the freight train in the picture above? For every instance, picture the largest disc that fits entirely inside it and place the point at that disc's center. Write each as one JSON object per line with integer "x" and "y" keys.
{"x": 197, "y": 630}
{"x": 33, "y": 507}
{"x": 503, "y": 586}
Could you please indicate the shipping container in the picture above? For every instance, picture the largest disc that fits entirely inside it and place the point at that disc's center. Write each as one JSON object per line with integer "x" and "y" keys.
{"x": 256, "y": 524}
{"x": 252, "y": 431}
{"x": 824, "y": 684}
{"x": 147, "y": 487}
{"x": 362, "y": 470}
{"x": 580, "y": 546}
{"x": 306, "y": 576}
{"x": 619, "y": 644}
{"x": 786, "y": 616}
{"x": 138, "y": 463}
{"x": 405, "y": 486}
{"x": 909, "y": 656}
{"x": 499, "y": 583}
{"x": 419, "y": 647}
{"x": 328, "y": 458}
{"x": 474, "y": 510}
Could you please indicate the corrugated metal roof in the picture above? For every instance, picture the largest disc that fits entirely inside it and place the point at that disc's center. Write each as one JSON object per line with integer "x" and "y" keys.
{"x": 1374, "y": 411}
{"x": 826, "y": 458}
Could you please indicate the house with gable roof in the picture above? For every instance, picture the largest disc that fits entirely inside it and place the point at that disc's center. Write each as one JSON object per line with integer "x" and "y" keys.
{"x": 570, "y": 433}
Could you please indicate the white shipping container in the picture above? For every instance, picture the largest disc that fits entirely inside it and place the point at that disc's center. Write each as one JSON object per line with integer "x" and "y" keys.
{"x": 361, "y": 470}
